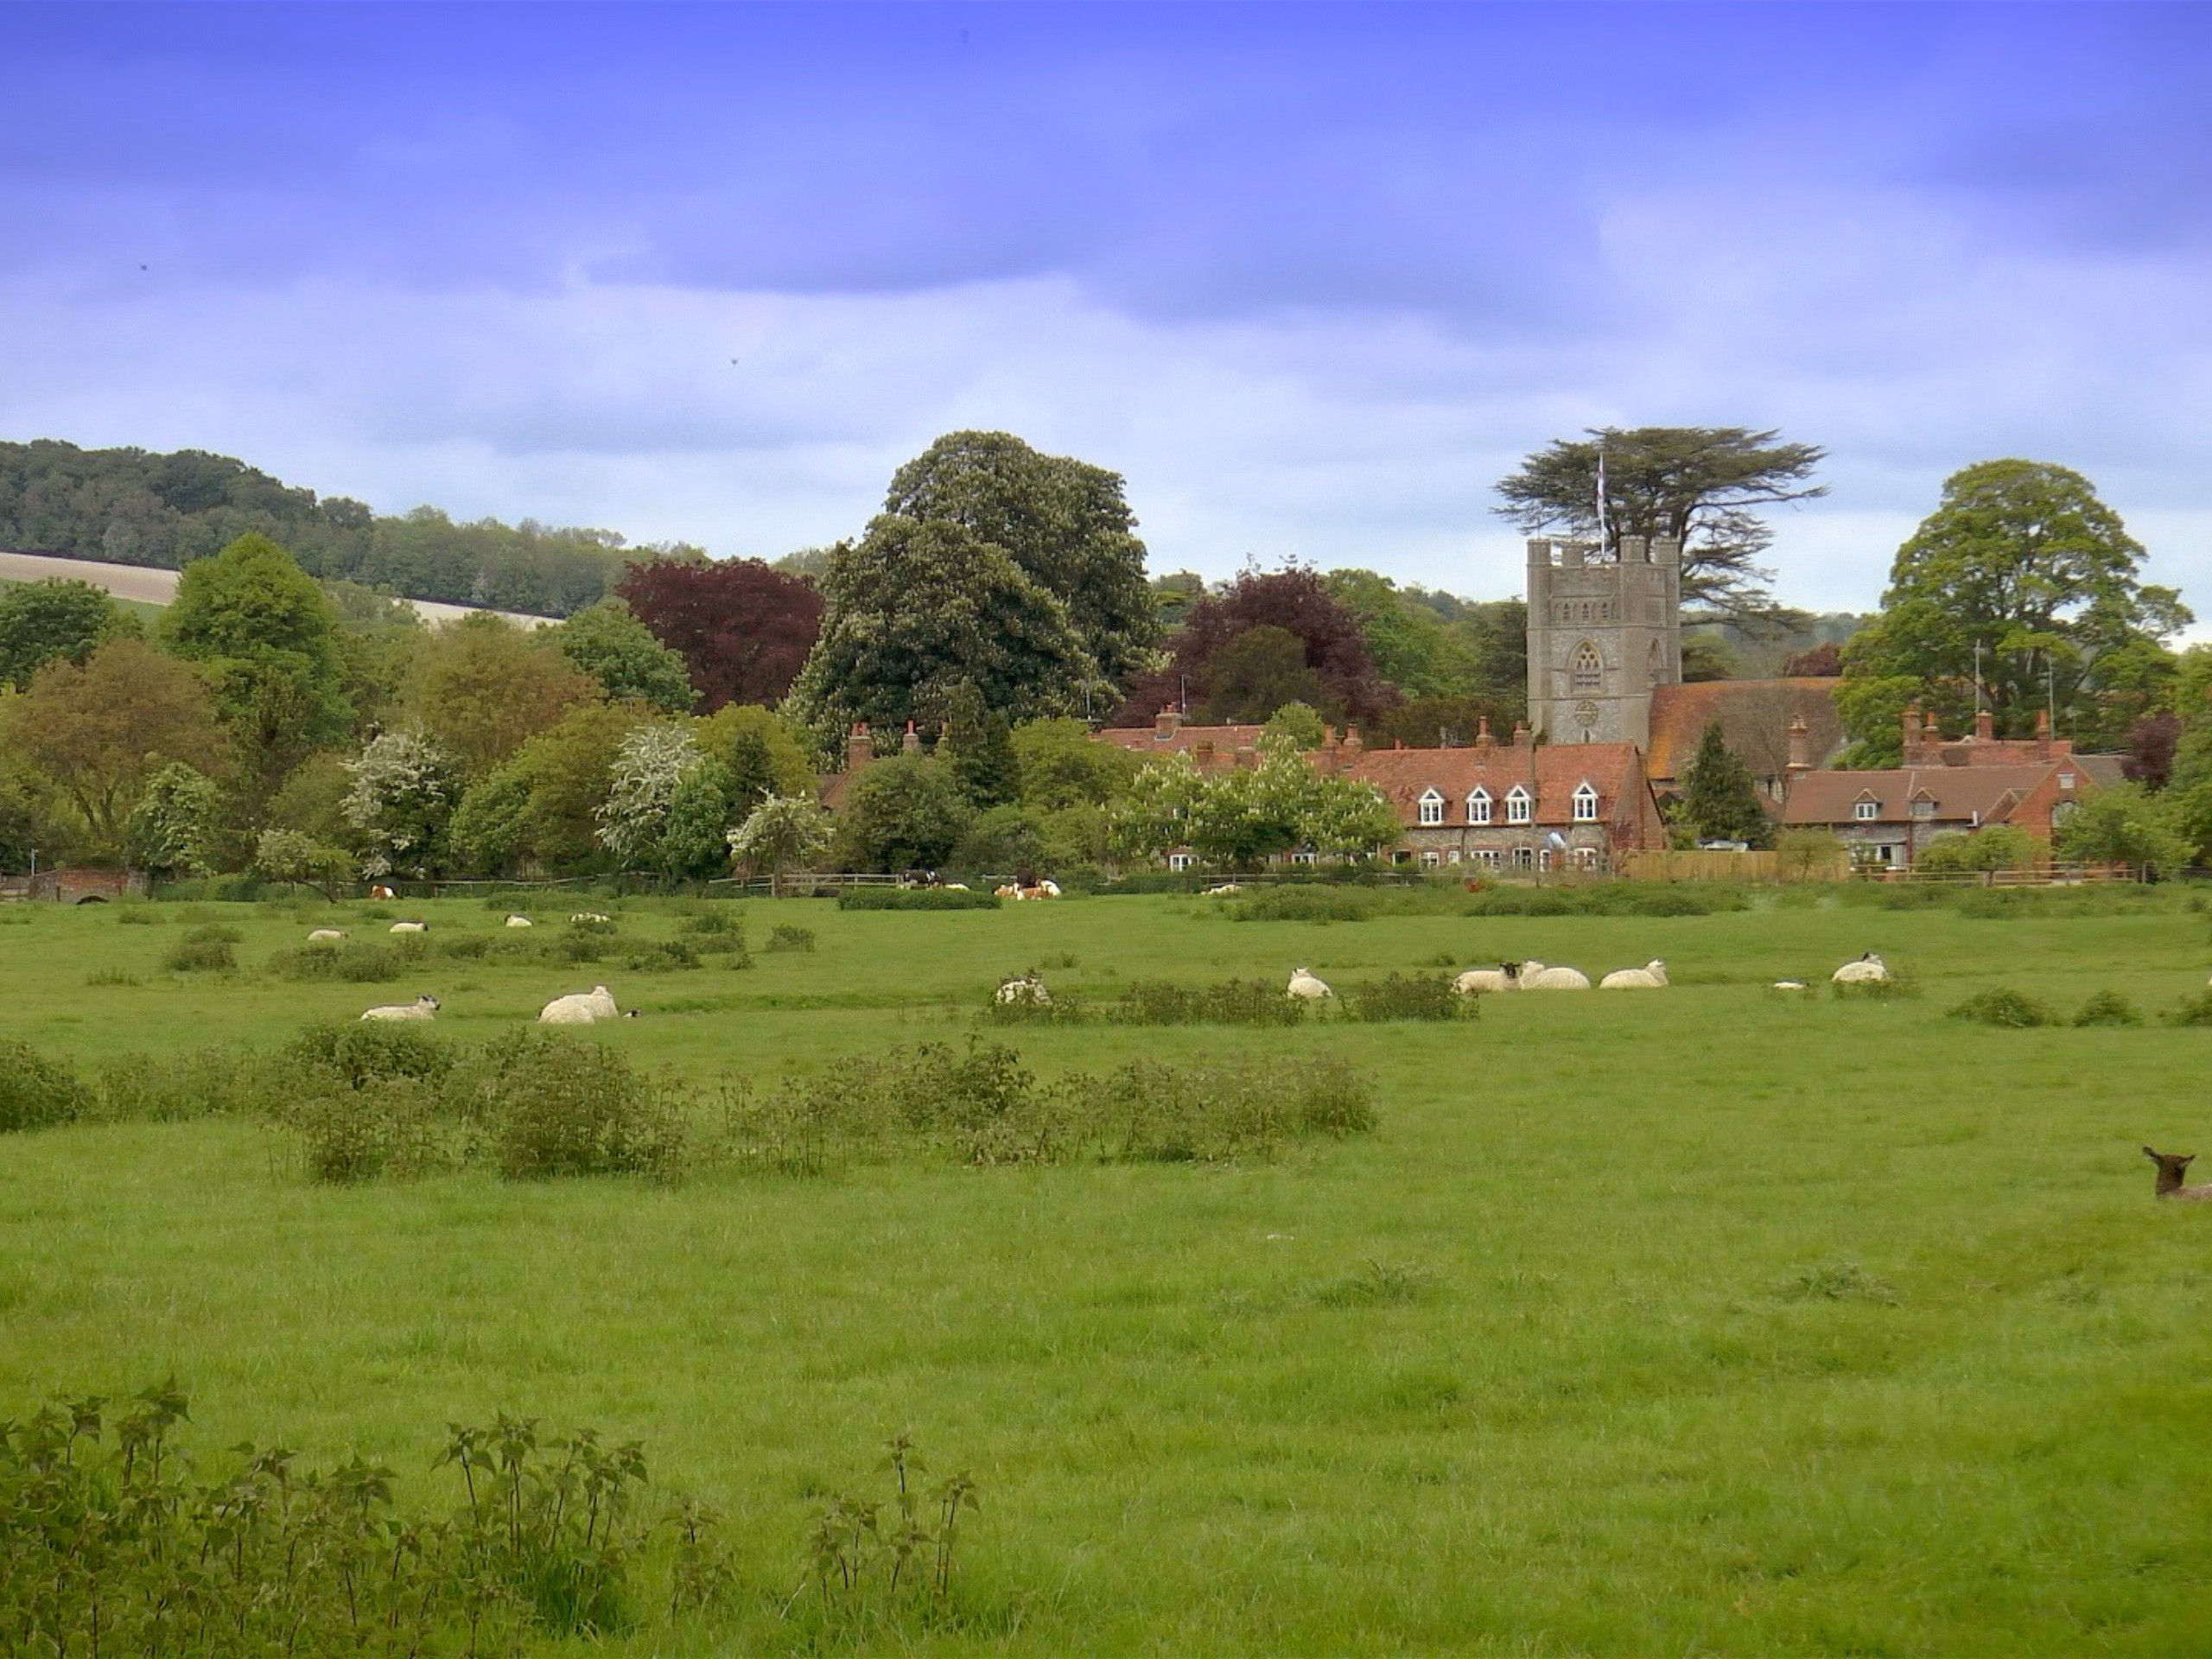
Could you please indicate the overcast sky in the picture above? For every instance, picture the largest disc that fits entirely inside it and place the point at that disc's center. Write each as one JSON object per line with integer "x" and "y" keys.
{"x": 1312, "y": 279}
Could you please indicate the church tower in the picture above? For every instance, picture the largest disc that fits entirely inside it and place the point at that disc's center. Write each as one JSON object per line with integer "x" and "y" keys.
{"x": 1602, "y": 633}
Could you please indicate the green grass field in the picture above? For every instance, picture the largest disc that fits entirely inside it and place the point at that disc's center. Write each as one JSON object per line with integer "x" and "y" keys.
{"x": 1702, "y": 1321}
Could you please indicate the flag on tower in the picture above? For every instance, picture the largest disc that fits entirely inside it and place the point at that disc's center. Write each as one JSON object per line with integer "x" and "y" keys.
{"x": 1604, "y": 531}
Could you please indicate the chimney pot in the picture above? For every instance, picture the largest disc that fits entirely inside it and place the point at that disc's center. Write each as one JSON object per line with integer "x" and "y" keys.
{"x": 1985, "y": 726}
{"x": 1168, "y": 722}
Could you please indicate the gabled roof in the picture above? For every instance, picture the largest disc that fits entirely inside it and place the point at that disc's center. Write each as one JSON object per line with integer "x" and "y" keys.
{"x": 1967, "y": 795}
{"x": 1551, "y": 772}
{"x": 1754, "y": 716}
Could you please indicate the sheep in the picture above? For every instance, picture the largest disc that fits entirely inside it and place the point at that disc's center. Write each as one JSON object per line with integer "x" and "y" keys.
{"x": 1649, "y": 977}
{"x": 580, "y": 1009}
{"x": 520, "y": 921}
{"x": 588, "y": 916}
{"x": 1866, "y": 971}
{"x": 1534, "y": 977}
{"x": 1788, "y": 984}
{"x": 1483, "y": 982}
{"x": 2171, "y": 1165}
{"x": 1304, "y": 985}
{"x": 411, "y": 927}
{"x": 1028, "y": 989}
{"x": 424, "y": 1007}
{"x": 1226, "y": 890}
{"x": 953, "y": 887}
{"x": 321, "y": 934}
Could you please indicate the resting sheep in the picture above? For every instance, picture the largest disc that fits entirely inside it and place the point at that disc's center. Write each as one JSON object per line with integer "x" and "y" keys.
{"x": 1488, "y": 981}
{"x": 1226, "y": 890}
{"x": 1788, "y": 984}
{"x": 424, "y": 1007}
{"x": 321, "y": 934}
{"x": 588, "y": 916}
{"x": 1028, "y": 989}
{"x": 2171, "y": 1165}
{"x": 1305, "y": 985}
{"x": 1866, "y": 971}
{"x": 1534, "y": 977}
{"x": 518, "y": 921}
{"x": 580, "y": 1009}
{"x": 1650, "y": 977}
{"x": 411, "y": 927}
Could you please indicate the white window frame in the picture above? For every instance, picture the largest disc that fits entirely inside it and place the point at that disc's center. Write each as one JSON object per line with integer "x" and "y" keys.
{"x": 1180, "y": 860}
{"x": 1518, "y": 805}
{"x": 1487, "y": 857}
{"x": 1865, "y": 811}
{"x": 1585, "y": 858}
{"x": 1586, "y": 802}
{"x": 1478, "y": 805}
{"x": 1524, "y": 858}
{"x": 1430, "y": 858}
{"x": 1429, "y": 809}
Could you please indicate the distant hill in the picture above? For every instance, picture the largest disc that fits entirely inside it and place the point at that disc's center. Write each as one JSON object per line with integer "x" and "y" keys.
{"x": 133, "y": 507}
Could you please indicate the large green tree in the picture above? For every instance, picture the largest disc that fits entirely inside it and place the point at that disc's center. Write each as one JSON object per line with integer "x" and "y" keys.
{"x": 2022, "y": 582}
{"x": 1705, "y": 486}
{"x": 41, "y": 620}
{"x": 1720, "y": 802}
{"x": 612, "y": 645}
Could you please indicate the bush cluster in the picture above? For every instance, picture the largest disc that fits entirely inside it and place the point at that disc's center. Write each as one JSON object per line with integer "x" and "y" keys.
{"x": 1259, "y": 1002}
{"x": 357, "y": 962}
{"x": 2108, "y": 1008}
{"x": 787, "y": 938}
{"x": 204, "y": 950}
{"x": 2003, "y": 1006}
{"x": 36, "y": 1092}
{"x": 916, "y": 898}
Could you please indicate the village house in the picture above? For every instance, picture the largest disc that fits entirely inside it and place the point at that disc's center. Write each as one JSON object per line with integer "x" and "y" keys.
{"x": 1887, "y": 817}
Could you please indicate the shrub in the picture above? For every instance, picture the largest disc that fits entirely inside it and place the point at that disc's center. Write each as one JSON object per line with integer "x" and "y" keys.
{"x": 671, "y": 956}
{"x": 1304, "y": 903}
{"x": 1416, "y": 998}
{"x": 356, "y": 961}
{"x": 1231, "y": 1003}
{"x": 2193, "y": 1010}
{"x": 2108, "y": 1008}
{"x": 191, "y": 956}
{"x": 915, "y": 899}
{"x": 787, "y": 938}
{"x": 138, "y": 913}
{"x": 36, "y": 1092}
{"x": 382, "y": 1127}
{"x": 2003, "y": 1006}
{"x": 1837, "y": 1282}
{"x": 553, "y": 1106}
{"x": 360, "y": 1051}
{"x": 1378, "y": 1284}
{"x": 716, "y": 920}
{"x": 177, "y": 1088}
{"x": 462, "y": 947}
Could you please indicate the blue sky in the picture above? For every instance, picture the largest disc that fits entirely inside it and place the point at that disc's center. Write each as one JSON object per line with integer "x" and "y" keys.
{"x": 1310, "y": 277}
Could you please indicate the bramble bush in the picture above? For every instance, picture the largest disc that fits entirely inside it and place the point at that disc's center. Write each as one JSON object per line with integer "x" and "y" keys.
{"x": 36, "y": 1092}
{"x": 2003, "y": 1006}
{"x": 916, "y": 898}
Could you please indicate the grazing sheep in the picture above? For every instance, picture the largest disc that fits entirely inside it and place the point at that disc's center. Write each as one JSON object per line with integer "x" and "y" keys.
{"x": 1866, "y": 971}
{"x": 1788, "y": 984}
{"x": 382, "y": 892}
{"x": 323, "y": 933}
{"x": 1303, "y": 984}
{"x": 588, "y": 916}
{"x": 1486, "y": 982}
{"x": 2171, "y": 1165}
{"x": 1534, "y": 977}
{"x": 1226, "y": 890}
{"x": 1650, "y": 977}
{"x": 411, "y": 927}
{"x": 954, "y": 887}
{"x": 581, "y": 1008}
{"x": 1028, "y": 989}
{"x": 520, "y": 921}
{"x": 424, "y": 1007}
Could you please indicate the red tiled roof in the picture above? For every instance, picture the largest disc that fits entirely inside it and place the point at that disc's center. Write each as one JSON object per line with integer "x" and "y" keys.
{"x": 1754, "y": 716}
{"x": 1554, "y": 771}
{"x": 1146, "y": 739}
{"x": 1968, "y": 795}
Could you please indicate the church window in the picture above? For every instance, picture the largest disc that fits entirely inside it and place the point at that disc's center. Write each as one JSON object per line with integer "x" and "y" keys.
{"x": 1589, "y": 667}
{"x": 1432, "y": 807}
{"x": 1585, "y": 804}
{"x": 1478, "y": 806}
{"x": 1516, "y": 805}
{"x": 1656, "y": 665}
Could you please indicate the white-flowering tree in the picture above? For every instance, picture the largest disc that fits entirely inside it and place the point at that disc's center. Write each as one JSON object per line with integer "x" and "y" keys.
{"x": 175, "y": 829}
{"x": 1241, "y": 817}
{"x": 404, "y": 787}
{"x": 784, "y": 832}
{"x": 298, "y": 860}
{"x": 649, "y": 768}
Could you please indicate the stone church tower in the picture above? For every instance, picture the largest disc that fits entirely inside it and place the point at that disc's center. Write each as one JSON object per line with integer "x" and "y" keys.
{"x": 1602, "y": 633}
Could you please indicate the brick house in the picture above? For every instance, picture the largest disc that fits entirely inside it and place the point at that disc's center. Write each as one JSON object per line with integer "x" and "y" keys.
{"x": 1887, "y": 816}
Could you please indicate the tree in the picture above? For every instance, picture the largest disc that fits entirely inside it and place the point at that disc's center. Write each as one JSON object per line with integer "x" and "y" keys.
{"x": 1704, "y": 486}
{"x": 1243, "y": 816}
{"x": 764, "y": 755}
{"x": 176, "y": 828}
{"x": 901, "y": 813}
{"x": 483, "y": 688}
{"x": 405, "y": 785}
{"x": 102, "y": 731}
{"x": 608, "y": 643}
{"x": 743, "y": 630}
{"x": 1062, "y": 522}
{"x": 539, "y": 810}
{"x": 1152, "y": 817}
{"x": 1823, "y": 662}
{"x": 918, "y": 608}
{"x": 1329, "y": 668}
{"x": 1412, "y": 647}
{"x": 2152, "y": 742}
{"x": 785, "y": 832}
{"x": 1062, "y": 766}
{"x": 695, "y": 839}
{"x": 41, "y": 620}
{"x": 2023, "y": 583}
{"x": 1257, "y": 672}
{"x": 1004, "y": 841}
{"x": 296, "y": 860}
{"x": 1298, "y": 724}
{"x": 1721, "y": 801}
{"x": 648, "y": 768}
{"x": 978, "y": 745}
{"x": 1997, "y": 847}
{"x": 2126, "y": 825}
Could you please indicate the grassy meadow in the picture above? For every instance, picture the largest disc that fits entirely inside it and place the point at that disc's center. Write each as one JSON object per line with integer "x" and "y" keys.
{"x": 1704, "y": 1321}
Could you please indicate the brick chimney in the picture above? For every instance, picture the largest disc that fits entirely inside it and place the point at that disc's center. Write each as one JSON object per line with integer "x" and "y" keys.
{"x": 1168, "y": 722}
{"x": 1246, "y": 758}
{"x": 1483, "y": 740}
{"x": 1801, "y": 750}
{"x": 860, "y": 747}
{"x": 1909, "y": 731}
{"x": 912, "y": 743}
{"x": 1985, "y": 726}
{"x": 2042, "y": 733}
{"x": 1521, "y": 738}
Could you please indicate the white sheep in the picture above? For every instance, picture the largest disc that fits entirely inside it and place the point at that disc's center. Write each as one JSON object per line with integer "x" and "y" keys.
{"x": 322, "y": 934}
{"x": 588, "y": 916}
{"x": 424, "y": 1007}
{"x": 1486, "y": 981}
{"x": 953, "y": 887}
{"x": 520, "y": 921}
{"x": 1649, "y": 977}
{"x": 1028, "y": 989}
{"x": 1226, "y": 890}
{"x": 411, "y": 927}
{"x": 1305, "y": 985}
{"x": 1536, "y": 977}
{"x": 1788, "y": 984}
{"x": 580, "y": 1009}
{"x": 1866, "y": 971}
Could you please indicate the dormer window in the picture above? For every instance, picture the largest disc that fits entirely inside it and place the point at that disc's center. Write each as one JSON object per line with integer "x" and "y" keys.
{"x": 1923, "y": 806}
{"x": 1586, "y": 802}
{"x": 1865, "y": 809}
{"x": 1478, "y": 806}
{"x": 1432, "y": 807}
{"x": 1516, "y": 805}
